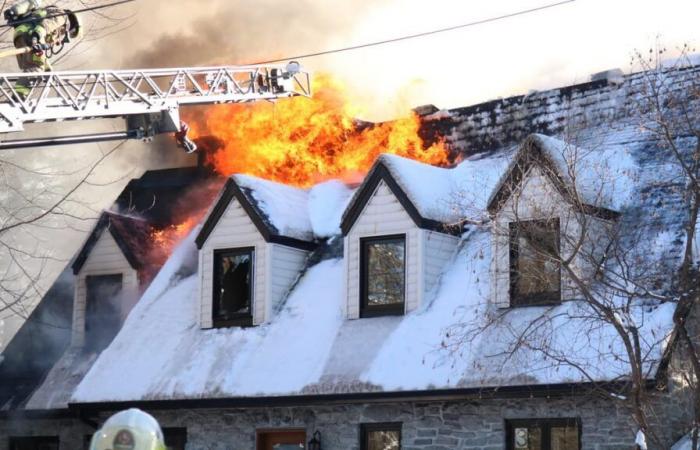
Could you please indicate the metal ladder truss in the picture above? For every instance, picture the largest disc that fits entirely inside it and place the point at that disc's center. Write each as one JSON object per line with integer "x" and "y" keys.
{"x": 149, "y": 100}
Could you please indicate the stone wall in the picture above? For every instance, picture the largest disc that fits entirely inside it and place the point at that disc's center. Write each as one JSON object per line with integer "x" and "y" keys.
{"x": 473, "y": 424}
{"x": 71, "y": 432}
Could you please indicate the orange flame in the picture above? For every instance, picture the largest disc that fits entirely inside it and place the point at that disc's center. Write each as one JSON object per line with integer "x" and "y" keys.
{"x": 301, "y": 141}
{"x": 164, "y": 240}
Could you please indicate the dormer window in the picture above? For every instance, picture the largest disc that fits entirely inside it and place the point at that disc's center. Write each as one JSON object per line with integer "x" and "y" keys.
{"x": 535, "y": 272}
{"x": 383, "y": 278}
{"x": 102, "y": 311}
{"x": 233, "y": 287}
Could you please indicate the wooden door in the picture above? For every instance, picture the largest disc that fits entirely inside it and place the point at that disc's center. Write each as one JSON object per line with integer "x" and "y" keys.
{"x": 281, "y": 440}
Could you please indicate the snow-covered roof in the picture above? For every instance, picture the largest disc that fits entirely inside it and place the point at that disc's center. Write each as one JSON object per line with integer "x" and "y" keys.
{"x": 309, "y": 348}
{"x": 281, "y": 211}
{"x": 686, "y": 443}
{"x": 600, "y": 176}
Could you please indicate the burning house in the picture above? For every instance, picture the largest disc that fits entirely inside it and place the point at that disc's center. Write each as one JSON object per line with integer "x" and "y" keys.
{"x": 384, "y": 315}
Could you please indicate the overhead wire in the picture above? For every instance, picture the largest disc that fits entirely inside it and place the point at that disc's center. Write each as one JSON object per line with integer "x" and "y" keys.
{"x": 417, "y": 35}
{"x": 51, "y": 16}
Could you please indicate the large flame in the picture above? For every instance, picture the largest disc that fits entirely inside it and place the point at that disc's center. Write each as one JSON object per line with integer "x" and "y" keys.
{"x": 302, "y": 141}
{"x": 298, "y": 141}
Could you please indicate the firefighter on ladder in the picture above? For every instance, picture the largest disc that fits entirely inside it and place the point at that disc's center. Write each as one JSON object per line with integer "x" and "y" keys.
{"x": 132, "y": 429}
{"x": 39, "y": 32}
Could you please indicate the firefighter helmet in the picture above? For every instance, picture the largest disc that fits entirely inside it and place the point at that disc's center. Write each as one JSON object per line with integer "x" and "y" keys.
{"x": 21, "y": 9}
{"x": 132, "y": 429}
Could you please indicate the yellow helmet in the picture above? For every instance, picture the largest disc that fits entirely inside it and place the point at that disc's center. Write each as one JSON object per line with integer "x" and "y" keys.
{"x": 132, "y": 429}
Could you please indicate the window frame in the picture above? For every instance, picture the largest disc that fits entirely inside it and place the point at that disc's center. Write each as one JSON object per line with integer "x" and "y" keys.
{"x": 543, "y": 424}
{"x": 243, "y": 319}
{"x": 178, "y": 434}
{"x": 262, "y": 433}
{"x": 367, "y": 310}
{"x": 366, "y": 428}
{"x": 88, "y": 330}
{"x": 13, "y": 441}
{"x": 540, "y": 299}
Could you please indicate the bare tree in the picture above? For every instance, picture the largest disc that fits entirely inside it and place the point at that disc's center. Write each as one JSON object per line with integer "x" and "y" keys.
{"x": 557, "y": 237}
{"x": 33, "y": 204}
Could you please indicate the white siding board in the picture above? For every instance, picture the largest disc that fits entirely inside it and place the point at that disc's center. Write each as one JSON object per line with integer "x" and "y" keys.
{"x": 537, "y": 198}
{"x": 382, "y": 215}
{"x": 286, "y": 264}
{"x": 105, "y": 258}
{"x": 439, "y": 251}
{"x": 233, "y": 230}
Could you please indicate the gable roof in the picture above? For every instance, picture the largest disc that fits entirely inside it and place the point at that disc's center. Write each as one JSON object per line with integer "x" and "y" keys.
{"x": 323, "y": 360}
{"x": 279, "y": 212}
{"x": 131, "y": 234}
{"x": 435, "y": 198}
{"x": 599, "y": 180}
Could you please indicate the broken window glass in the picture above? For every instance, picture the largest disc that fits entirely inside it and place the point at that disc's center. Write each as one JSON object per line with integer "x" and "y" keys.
{"x": 233, "y": 277}
{"x": 102, "y": 310}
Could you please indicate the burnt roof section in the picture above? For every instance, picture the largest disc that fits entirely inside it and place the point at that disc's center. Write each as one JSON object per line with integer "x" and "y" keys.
{"x": 131, "y": 234}
{"x": 378, "y": 173}
{"x": 244, "y": 196}
{"x": 153, "y": 195}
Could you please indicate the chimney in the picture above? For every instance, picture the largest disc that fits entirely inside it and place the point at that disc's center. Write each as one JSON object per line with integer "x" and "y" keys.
{"x": 613, "y": 77}
{"x": 425, "y": 110}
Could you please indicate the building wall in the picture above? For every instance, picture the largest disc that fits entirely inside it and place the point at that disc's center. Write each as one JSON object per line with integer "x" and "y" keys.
{"x": 286, "y": 264}
{"x": 234, "y": 229}
{"x": 71, "y": 432}
{"x": 438, "y": 250}
{"x": 474, "y": 425}
{"x": 538, "y": 199}
{"x": 383, "y": 215}
{"x": 106, "y": 258}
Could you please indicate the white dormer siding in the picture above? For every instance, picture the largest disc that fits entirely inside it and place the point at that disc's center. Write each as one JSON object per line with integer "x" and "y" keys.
{"x": 105, "y": 258}
{"x": 275, "y": 267}
{"x": 536, "y": 199}
{"x": 425, "y": 256}
{"x": 235, "y": 229}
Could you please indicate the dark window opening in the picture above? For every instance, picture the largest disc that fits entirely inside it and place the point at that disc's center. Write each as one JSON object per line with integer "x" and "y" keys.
{"x": 535, "y": 271}
{"x": 233, "y": 287}
{"x": 175, "y": 438}
{"x": 34, "y": 443}
{"x": 380, "y": 436}
{"x": 543, "y": 434}
{"x": 281, "y": 440}
{"x": 102, "y": 310}
{"x": 383, "y": 276}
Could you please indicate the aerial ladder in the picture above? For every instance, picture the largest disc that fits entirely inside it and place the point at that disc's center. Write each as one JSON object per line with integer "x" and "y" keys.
{"x": 148, "y": 100}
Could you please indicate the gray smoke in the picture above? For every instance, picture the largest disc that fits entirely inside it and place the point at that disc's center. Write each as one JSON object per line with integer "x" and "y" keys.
{"x": 243, "y": 32}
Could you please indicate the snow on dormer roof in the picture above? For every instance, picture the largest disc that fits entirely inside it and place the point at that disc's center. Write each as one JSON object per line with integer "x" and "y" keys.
{"x": 282, "y": 213}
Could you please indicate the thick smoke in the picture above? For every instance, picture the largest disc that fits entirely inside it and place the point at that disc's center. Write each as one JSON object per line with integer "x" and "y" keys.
{"x": 242, "y": 32}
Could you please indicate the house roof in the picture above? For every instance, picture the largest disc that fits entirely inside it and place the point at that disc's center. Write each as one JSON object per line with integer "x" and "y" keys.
{"x": 435, "y": 198}
{"x": 282, "y": 214}
{"x": 318, "y": 349}
{"x": 601, "y": 180}
{"x": 130, "y": 233}
{"x": 172, "y": 358}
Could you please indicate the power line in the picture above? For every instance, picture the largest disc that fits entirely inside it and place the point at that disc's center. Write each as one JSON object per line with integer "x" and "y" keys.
{"x": 418, "y": 35}
{"x": 39, "y": 19}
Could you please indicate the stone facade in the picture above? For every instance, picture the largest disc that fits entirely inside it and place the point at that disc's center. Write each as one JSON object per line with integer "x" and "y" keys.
{"x": 430, "y": 425}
